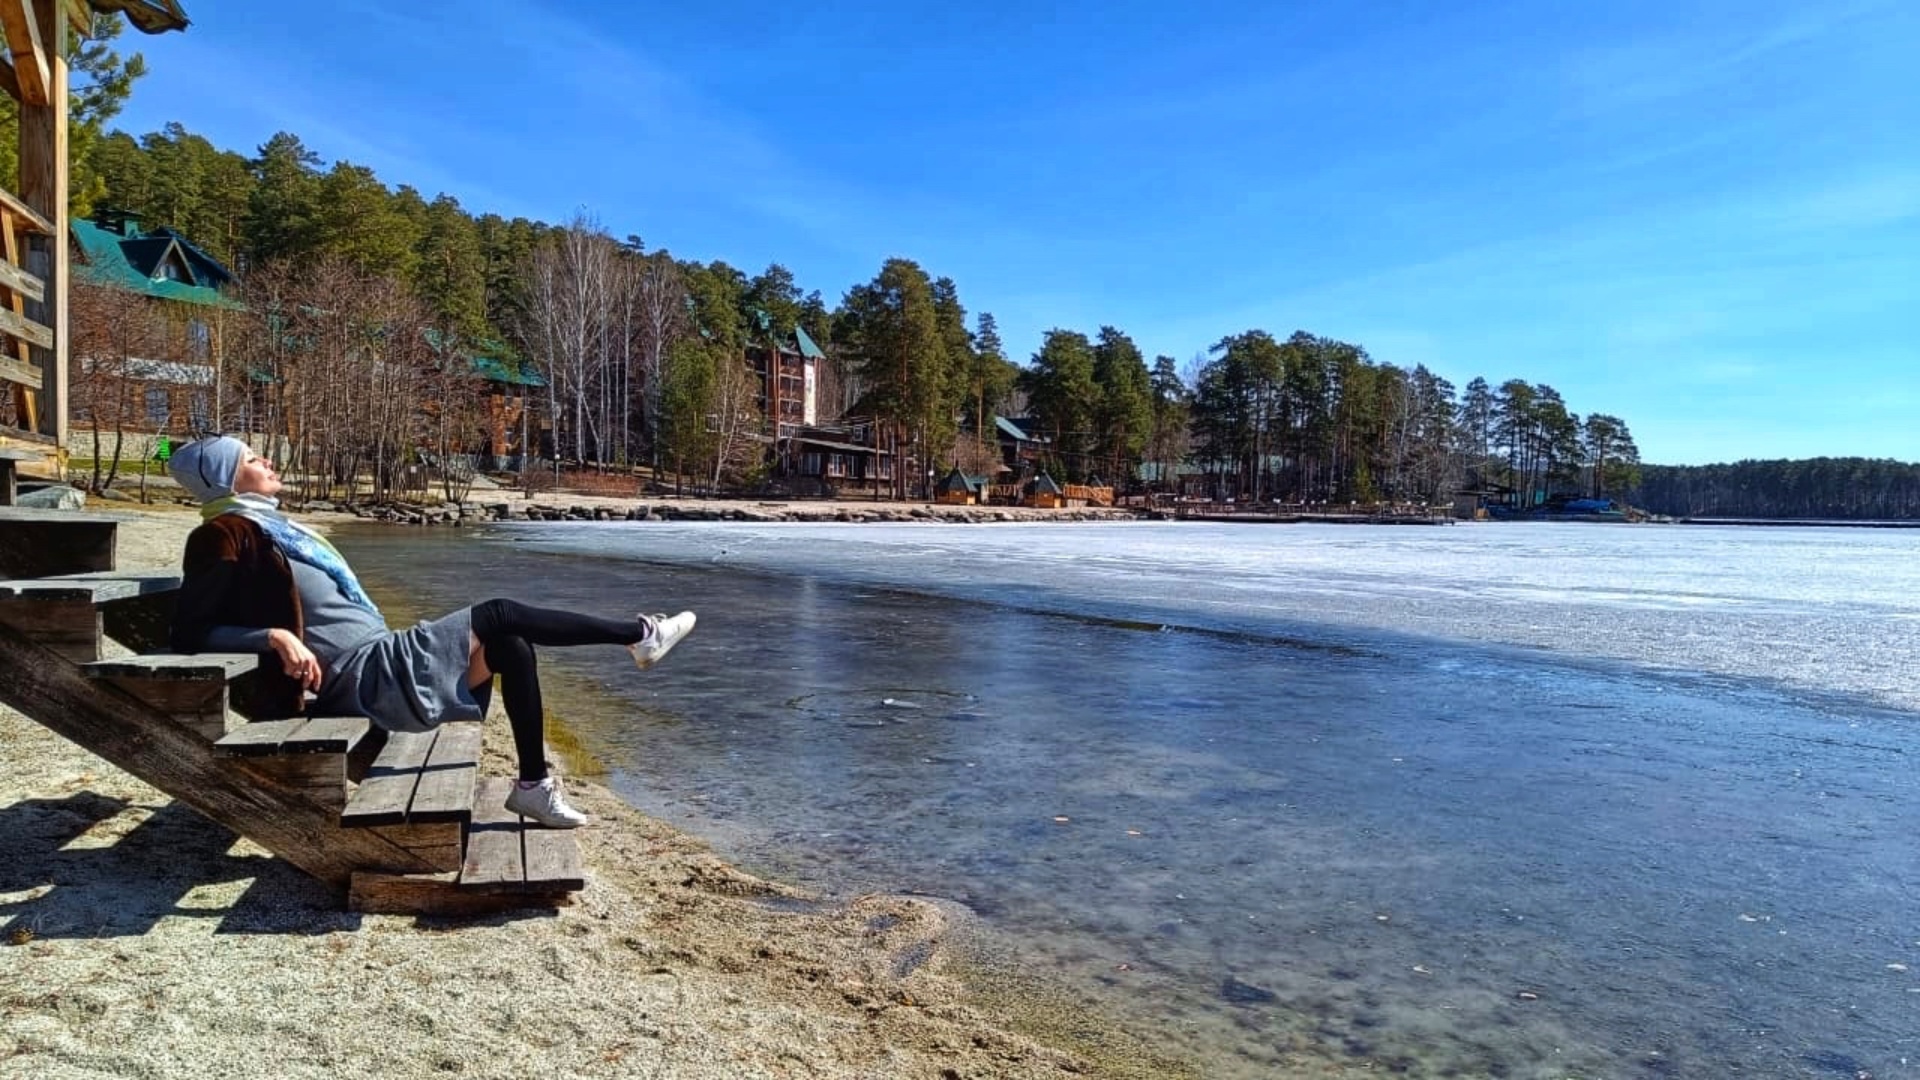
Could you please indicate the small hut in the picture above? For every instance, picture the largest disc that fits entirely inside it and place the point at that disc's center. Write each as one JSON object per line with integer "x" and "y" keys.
{"x": 1042, "y": 492}
{"x": 959, "y": 489}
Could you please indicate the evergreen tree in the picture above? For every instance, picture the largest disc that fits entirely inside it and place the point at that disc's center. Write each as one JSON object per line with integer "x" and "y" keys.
{"x": 362, "y": 223}
{"x": 283, "y": 210}
{"x": 1123, "y": 416}
{"x": 893, "y": 332}
{"x": 450, "y": 270}
{"x": 1063, "y": 396}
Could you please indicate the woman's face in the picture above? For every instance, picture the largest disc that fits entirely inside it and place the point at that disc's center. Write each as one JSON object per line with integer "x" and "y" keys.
{"x": 255, "y": 476}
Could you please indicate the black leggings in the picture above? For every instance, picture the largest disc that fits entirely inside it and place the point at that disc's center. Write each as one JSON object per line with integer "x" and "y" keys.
{"x": 508, "y": 630}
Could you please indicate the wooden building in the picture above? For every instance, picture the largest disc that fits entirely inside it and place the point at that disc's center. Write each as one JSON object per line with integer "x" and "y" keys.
{"x": 34, "y": 258}
{"x": 1020, "y": 447}
{"x": 1042, "y": 492}
{"x": 959, "y": 489}
{"x": 829, "y": 459}
{"x": 161, "y": 377}
{"x": 789, "y": 382}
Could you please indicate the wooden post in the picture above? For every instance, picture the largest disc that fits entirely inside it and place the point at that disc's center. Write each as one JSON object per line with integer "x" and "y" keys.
{"x": 43, "y": 187}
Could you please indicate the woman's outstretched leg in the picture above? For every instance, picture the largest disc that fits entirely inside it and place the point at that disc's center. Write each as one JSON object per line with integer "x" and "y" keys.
{"x": 505, "y": 632}
{"x": 647, "y": 637}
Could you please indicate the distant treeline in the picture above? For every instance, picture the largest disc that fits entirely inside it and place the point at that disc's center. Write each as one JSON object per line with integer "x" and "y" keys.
{"x": 1853, "y": 489}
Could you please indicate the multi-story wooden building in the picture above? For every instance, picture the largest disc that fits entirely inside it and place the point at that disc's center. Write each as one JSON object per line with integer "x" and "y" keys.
{"x": 147, "y": 320}
{"x": 789, "y": 382}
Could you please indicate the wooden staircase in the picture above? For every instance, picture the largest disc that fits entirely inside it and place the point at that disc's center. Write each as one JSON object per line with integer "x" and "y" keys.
{"x": 403, "y": 823}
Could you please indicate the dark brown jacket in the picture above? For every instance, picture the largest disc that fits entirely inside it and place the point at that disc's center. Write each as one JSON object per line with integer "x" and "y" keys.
{"x": 234, "y": 575}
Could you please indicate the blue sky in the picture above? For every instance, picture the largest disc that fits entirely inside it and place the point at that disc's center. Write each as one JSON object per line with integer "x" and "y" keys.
{"x": 1702, "y": 216}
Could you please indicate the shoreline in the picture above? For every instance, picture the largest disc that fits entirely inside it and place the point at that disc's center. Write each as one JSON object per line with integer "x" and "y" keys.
{"x": 511, "y": 504}
{"x": 137, "y": 938}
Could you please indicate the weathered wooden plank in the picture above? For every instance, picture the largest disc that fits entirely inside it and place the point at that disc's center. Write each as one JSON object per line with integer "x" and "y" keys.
{"x": 386, "y": 792}
{"x": 28, "y": 286}
{"x": 323, "y": 777}
{"x": 259, "y": 739}
{"x": 552, "y": 860}
{"x": 142, "y": 623}
{"x": 39, "y": 543}
{"x": 27, "y": 214}
{"x": 494, "y": 856}
{"x": 445, "y": 792}
{"x": 433, "y": 847}
{"x": 29, "y": 50}
{"x": 327, "y": 735}
{"x": 175, "y": 667}
{"x": 71, "y": 629}
{"x": 14, "y": 371}
{"x": 136, "y": 737}
{"x": 200, "y": 706}
{"x": 93, "y": 587}
{"x": 25, "y": 329}
{"x": 375, "y": 893}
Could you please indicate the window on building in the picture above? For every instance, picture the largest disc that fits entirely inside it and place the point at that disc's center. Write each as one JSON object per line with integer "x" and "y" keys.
{"x": 199, "y": 340}
{"x": 159, "y": 408}
{"x": 200, "y": 410}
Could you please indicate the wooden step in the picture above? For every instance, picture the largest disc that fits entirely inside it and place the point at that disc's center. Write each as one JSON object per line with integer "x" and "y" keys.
{"x": 192, "y": 688}
{"x": 418, "y": 794}
{"x": 10, "y": 458}
{"x": 508, "y": 853}
{"x": 510, "y": 863}
{"x": 36, "y": 543}
{"x": 129, "y": 733}
{"x": 307, "y": 754}
{"x": 70, "y": 613}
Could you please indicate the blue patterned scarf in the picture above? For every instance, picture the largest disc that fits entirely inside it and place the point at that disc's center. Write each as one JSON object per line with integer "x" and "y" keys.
{"x": 295, "y": 540}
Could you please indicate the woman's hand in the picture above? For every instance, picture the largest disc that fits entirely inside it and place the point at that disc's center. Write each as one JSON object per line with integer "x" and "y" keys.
{"x": 296, "y": 658}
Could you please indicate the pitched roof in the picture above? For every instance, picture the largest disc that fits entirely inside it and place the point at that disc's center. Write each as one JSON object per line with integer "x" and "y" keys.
{"x": 130, "y": 263}
{"x": 956, "y": 480}
{"x": 1017, "y": 429}
{"x": 492, "y": 361}
{"x": 807, "y": 348}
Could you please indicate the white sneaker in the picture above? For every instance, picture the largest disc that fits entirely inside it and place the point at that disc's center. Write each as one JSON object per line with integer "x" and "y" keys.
{"x": 544, "y": 804}
{"x": 667, "y": 632}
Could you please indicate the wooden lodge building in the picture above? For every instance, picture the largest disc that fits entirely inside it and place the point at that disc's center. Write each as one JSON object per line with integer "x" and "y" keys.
{"x": 172, "y": 386}
{"x": 827, "y": 459}
{"x": 789, "y": 382}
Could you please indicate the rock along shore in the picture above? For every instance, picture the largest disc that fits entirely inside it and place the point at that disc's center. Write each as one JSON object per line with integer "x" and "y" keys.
{"x": 498, "y": 506}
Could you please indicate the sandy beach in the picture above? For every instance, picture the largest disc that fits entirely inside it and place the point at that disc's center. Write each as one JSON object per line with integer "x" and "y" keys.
{"x": 137, "y": 939}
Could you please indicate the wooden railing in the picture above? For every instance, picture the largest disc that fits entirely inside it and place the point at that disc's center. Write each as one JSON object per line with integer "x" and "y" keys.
{"x": 18, "y": 333}
{"x": 1092, "y": 496}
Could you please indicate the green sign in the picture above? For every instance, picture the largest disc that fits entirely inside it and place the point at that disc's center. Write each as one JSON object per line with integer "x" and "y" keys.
{"x": 162, "y": 448}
